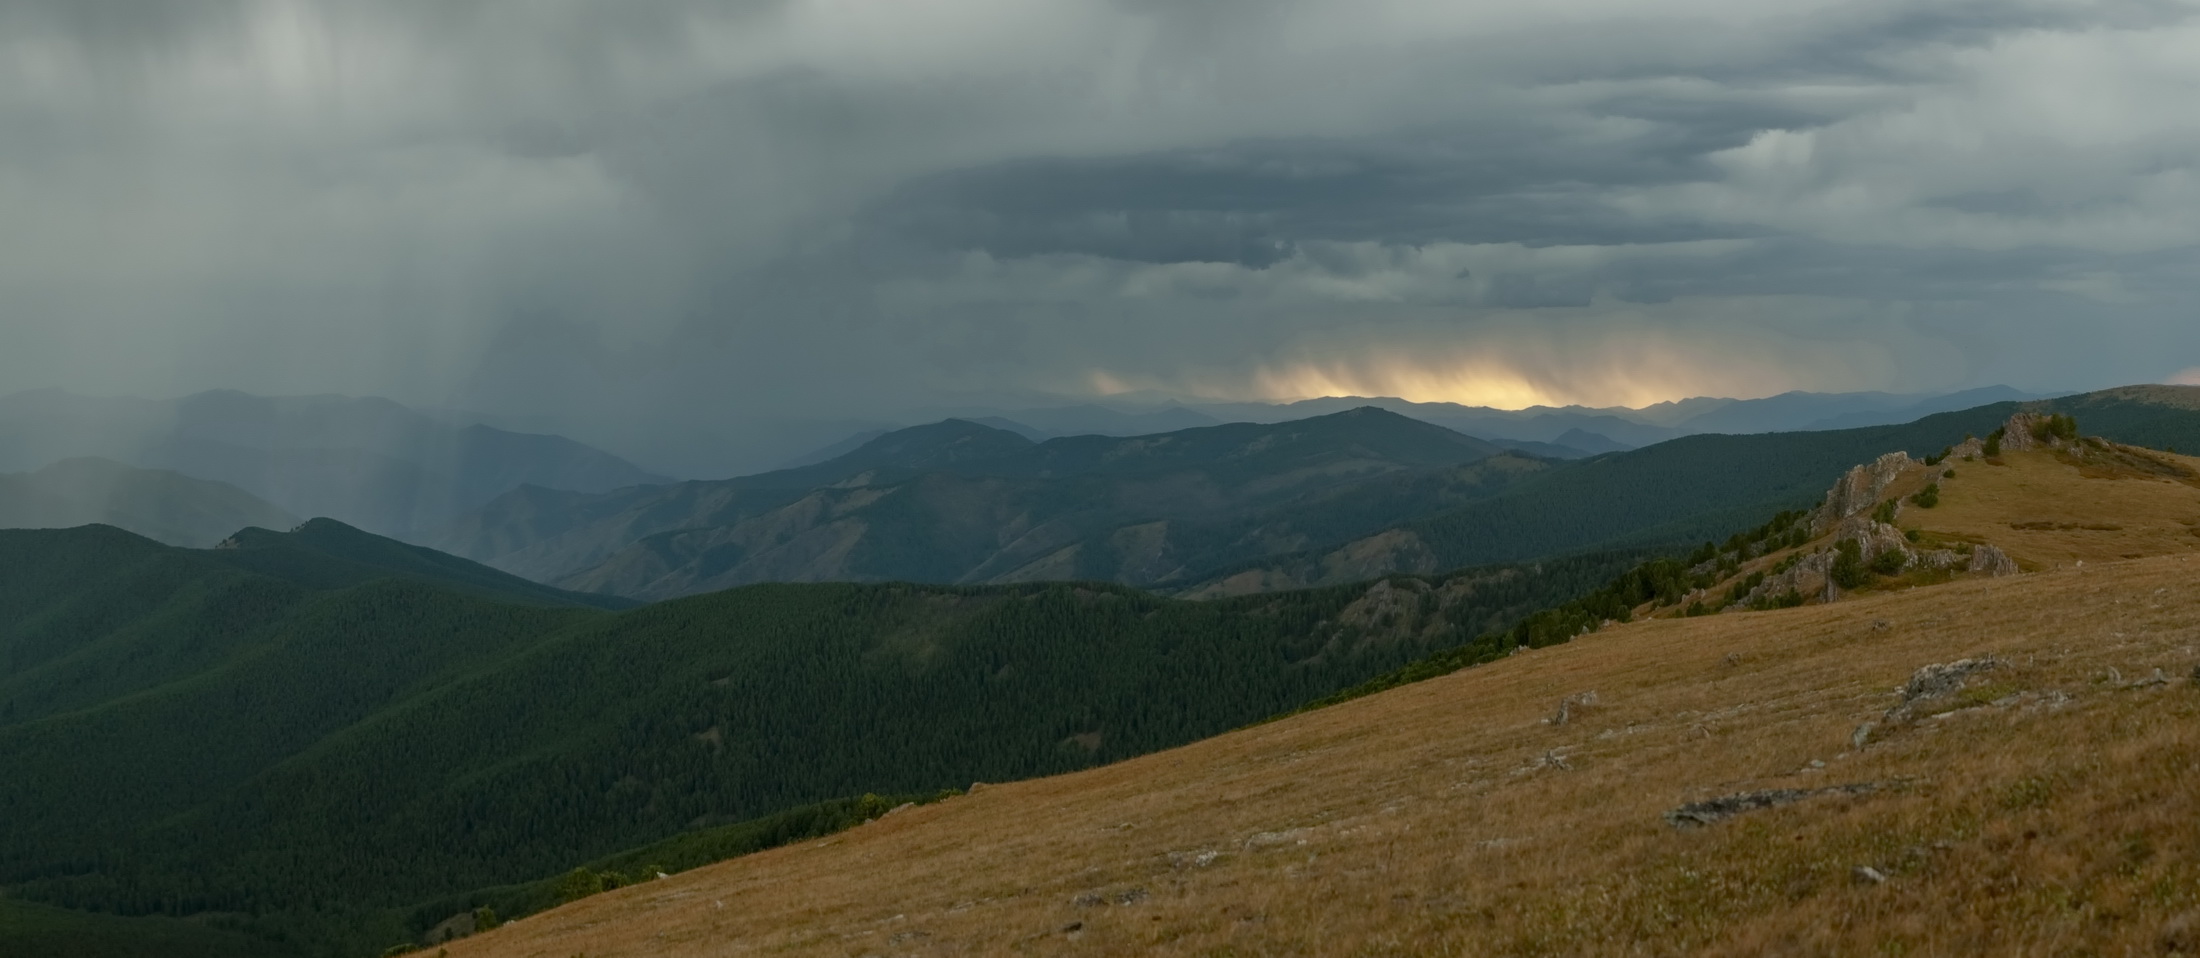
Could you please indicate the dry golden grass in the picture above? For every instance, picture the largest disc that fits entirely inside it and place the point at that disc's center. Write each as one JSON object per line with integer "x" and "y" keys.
{"x": 2045, "y": 511}
{"x": 2048, "y": 809}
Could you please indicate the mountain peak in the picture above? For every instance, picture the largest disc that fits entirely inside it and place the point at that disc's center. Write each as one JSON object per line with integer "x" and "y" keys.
{"x": 935, "y": 444}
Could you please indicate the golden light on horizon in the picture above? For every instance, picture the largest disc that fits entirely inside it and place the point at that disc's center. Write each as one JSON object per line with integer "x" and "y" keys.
{"x": 1634, "y": 373}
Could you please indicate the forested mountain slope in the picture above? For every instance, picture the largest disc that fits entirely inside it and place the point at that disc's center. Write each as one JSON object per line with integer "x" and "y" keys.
{"x": 271, "y": 740}
{"x": 961, "y": 502}
{"x": 166, "y": 506}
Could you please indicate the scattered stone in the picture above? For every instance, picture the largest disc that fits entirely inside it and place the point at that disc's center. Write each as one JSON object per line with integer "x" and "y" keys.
{"x": 1863, "y": 734}
{"x": 974, "y": 786}
{"x": 1699, "y": 814}
{"x": 1867, "y": 875}
{"x": 905, "y": 806}
{"x": 1735, "y": 658}
{"x": 1571, "y": 704}
{"x": 2158, "y": 678}
{"x": 2180, "y": 935}
{"x": 1881, "y": 625}
{"x": 1090, "y": 899}
{"x": 1130, "y": 896}
{"x": 1196, "y": 859}
{"x": 1937, "y": 681}
{"x": 1288, "y": 836}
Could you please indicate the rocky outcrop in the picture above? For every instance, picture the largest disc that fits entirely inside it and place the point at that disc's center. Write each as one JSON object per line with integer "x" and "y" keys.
{"x": 1992, "y": 561}
{"x": 1873, "y": 537}
{"x": 1809, "y": 576}
{"x": 1859, "y": 491}
{"x": 2016, "y": 434}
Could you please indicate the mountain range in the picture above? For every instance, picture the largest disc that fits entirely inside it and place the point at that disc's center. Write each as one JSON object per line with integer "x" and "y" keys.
{"x": 961, "y": 502}
{"x": 1212, "y": 510}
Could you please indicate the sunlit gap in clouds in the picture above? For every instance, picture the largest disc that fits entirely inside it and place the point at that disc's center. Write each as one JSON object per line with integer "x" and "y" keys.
{"x": 1631, "y": 374}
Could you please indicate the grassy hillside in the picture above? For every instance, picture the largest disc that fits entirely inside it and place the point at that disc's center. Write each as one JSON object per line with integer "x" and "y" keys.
{"x": 1831, "y": 779}
{"x": 322, "y": 755}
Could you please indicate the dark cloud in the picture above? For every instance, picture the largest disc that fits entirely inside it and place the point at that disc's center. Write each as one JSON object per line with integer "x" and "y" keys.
{"x": 710, "y": 217}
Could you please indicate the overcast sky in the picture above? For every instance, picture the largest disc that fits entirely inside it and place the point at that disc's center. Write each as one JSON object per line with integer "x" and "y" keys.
{"x": 631, "y": 209}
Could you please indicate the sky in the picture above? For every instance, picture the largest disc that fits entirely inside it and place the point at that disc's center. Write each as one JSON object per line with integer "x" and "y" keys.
{"x": 654, "y": 214}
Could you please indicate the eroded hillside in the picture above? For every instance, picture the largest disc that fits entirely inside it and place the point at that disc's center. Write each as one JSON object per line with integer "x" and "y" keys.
{"x": 1938, "y": 761}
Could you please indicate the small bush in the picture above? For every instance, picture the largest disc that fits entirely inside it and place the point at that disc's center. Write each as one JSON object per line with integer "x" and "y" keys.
{"x": 578, "y": 884}
{"x": 485, "y": 918}
{"x": 1890, "y": 562}
{"x": 1927, "y": 497}
{"x": 1993, "y": 442}
{"x": 1786, "y": 600}
{"x": 2057, "y": 426}
{"x": 1848, "y": 565}
{"x": 1885, "y": 513}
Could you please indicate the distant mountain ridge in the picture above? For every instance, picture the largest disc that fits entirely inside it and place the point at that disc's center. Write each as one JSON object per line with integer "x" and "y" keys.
{"x": 957, "y": 501}
{"x": 371, "y": 463}
{"x": 160, "y": 505}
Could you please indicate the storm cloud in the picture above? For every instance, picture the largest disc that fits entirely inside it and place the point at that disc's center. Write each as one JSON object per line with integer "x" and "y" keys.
{"x": 590, "y": 216}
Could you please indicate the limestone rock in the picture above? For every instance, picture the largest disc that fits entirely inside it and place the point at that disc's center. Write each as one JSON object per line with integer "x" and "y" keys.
{"x": 1808, "y": 576}
{"x": 2017, "y": 432}
{"x": 1936, "y": 682}
{"x": 1859, "y": 491}
{"x": 1873, "y": 537}
{"x": 1992, "y": 561}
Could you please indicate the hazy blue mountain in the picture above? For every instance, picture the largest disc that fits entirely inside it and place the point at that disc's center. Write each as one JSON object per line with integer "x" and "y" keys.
{"x": 1093, "y": 420}
{"x": 1589, "y": 442}
{"x": 1919, "y": 410}
{"x": 160, "y": 505}
{"x": 958, "y": 501}
{"x": 368, "y": 462}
